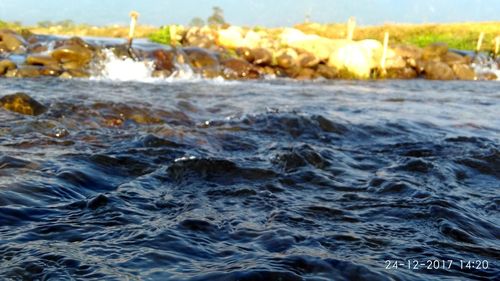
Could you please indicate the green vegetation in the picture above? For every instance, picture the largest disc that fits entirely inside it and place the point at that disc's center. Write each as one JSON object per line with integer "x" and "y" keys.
{"x": 161, "y": 36}
{"x": 217, "y": 17}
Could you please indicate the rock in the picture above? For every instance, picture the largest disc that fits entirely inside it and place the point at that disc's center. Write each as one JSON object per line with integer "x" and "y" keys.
{"x": 394, "y": 60}
{"x": 321, "y": 47}
{"x": 401, "y": 73}
{"x": 25, "y": 71}
{"x": 490, "y": 76}
{"x": 23, "y": 104}
{"x": 357, "y": 58}
{"x": 239, "y": 69}
{"x": 435, "y": 52}
{"x": 231, "y": 37}
{"x": 11, "y": 42}
{"x": 202, "y": 61}
{"x": 72, "y": 53}
{"x": 74, "y": 73}
{"x": 327, "y": 72}
{"x": 451, "y": 58}
{"x": 464, "y": 72}
{"x": 262, "y": 56}
{"x": 245, "y": 53}
{"x": 308, "y": 60}
{"x": 203, "y": 37}
{"x": 164, "y": 60}
{"x": 46, "y": 61}
{"x": 306, "y": 74}
{"x": 6, "y": 65}
{"x": 438, "y": 71}
{"x": 408, "y": 52}
{"x": 285, "y": 61}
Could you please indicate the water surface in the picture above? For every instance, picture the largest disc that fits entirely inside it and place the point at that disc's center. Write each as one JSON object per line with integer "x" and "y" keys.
{"x": 265, "y": 180}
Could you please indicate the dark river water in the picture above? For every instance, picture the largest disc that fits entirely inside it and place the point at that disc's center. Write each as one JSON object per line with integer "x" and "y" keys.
{"x": 267, "y": 180}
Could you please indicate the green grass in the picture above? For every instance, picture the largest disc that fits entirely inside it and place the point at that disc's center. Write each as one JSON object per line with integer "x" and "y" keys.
{"x": 161, "y": 36}
{"x": 454, "y": 42}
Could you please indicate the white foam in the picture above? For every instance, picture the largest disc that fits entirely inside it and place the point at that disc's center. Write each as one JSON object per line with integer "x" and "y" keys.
{"x": 113, "y": 68}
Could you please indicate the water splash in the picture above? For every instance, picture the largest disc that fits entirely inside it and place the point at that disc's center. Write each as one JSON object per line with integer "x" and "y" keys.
{"x": 484, "y": 65}
{"x": 123, "y": 69}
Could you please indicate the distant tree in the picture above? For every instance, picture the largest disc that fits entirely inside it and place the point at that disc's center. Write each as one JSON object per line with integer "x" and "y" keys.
{"x": 217, "y": 17}
{"x": 45, "y": 23}
{"x": 197, "y": 21}
{"x": 66, "y": 23}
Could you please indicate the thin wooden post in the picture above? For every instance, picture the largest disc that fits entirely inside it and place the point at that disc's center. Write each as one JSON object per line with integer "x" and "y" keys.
{"x": 497, "y": 46}
{"x": 351, "y": 26}
{"x": 384, "y": 53}
{"x": 479, "y": 42}
{"x": 133, "y": 22}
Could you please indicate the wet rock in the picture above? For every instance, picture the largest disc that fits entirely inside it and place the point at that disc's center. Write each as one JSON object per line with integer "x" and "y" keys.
{"x": 401, "y": 73}
{"x": 11, "y": 42}
{"x": 285, "y": 61}
{"x": 490, "y": 76}
{"x": 74, "y": 73}
{"x": 6, "y": 65}
{"x": 438, "y": 71}
{"x": 262, "y": 56}
{"x": 203, "y": 61}
{"x": 238, "y": 69}
{"x": 464, "y": 72}
{"x": 22, "y": 103}
{"x": 164, "y": 60}
{"x": 306, "y": 74}
{"x": 72, "y": 53}
{"x": 435, "y": 52}
{"x": 25, "y": 71}
{"x": 45, "y": 61}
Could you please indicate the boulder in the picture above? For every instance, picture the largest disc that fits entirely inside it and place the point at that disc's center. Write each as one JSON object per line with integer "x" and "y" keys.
{"x": 72, "y": 53}
{"x": 401, "y": 73}
{"x": 321, "y": 47}
{"x": 164, "y": 60}
{"x": 358, "y": 59}
{"x": 231, "y": 37}
{"x": 25, "y": 71}
{"x": 308, "y": 60}
{"x": 464, "y": 72}
{"x": 238, "y": 69}
{"x": 262, "y": 56}
{"x": 451, "y": 58}
{"x": 45, "y": 61}
{"x": 203, "y": 61}
{"x": 435, "y": 52}
{"x": 408, "y": 52}
{"x": 11, "y": 42}
{"x": 245, "y": 53}
{"x": 435, "y": 70}
{"x": 23, "y": 104}
{"x": 202, "y": 37}
{"x": 327, "y": 72}
{"x": 6, "y": 65}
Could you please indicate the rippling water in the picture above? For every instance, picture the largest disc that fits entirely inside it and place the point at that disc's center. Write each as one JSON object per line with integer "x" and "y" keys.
{"x": 269, "y": 180}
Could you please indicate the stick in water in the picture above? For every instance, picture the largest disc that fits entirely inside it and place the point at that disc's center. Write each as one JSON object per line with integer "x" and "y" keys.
{"x": 497, "y": 46}
{"x": 480, "y": 42}
{"x": 133, "y": 22}
{"x": 384, "y": 53}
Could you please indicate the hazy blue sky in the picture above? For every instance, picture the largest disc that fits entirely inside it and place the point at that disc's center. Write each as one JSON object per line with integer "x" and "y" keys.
{"x": 253, "y": 12}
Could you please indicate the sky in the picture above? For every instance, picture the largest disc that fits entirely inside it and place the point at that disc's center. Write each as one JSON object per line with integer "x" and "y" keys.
{"x": 250, "y": 13}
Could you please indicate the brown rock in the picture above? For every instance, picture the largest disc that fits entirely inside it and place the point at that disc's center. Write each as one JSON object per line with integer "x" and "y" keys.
{"x": 327, "y": 72}
{"x": 464, "y": 72}
{"x": 401, "y": 73}
{"x": 43, "y": 61}
{"x": 490, "y": 76}
{"x": 262, "y": 56}
{"x": 451, "y": 58}
{"x": 306, "y": 74}
{"x": 6, "y": 65}
{"x": 203, "y": 61}
{"x": 285, "y": 61}
{"x": 238, "y": 69}
{"x": 245, "y": 53}
{"x": 308, "y": 60}
{"x": 435, "y": 52}
{"x": 25, "y": 71}
{"x": 11, "y": 42}
{"x": 22, "y": 103}
{"x": 408, "y": 52}
{"x": 72, "y": 53}
{"x": 164, "y": 60}
{"x": 438, "y": 71}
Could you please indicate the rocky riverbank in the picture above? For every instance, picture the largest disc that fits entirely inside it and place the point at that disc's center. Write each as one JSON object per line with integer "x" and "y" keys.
{"x": 238, "y": 53}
